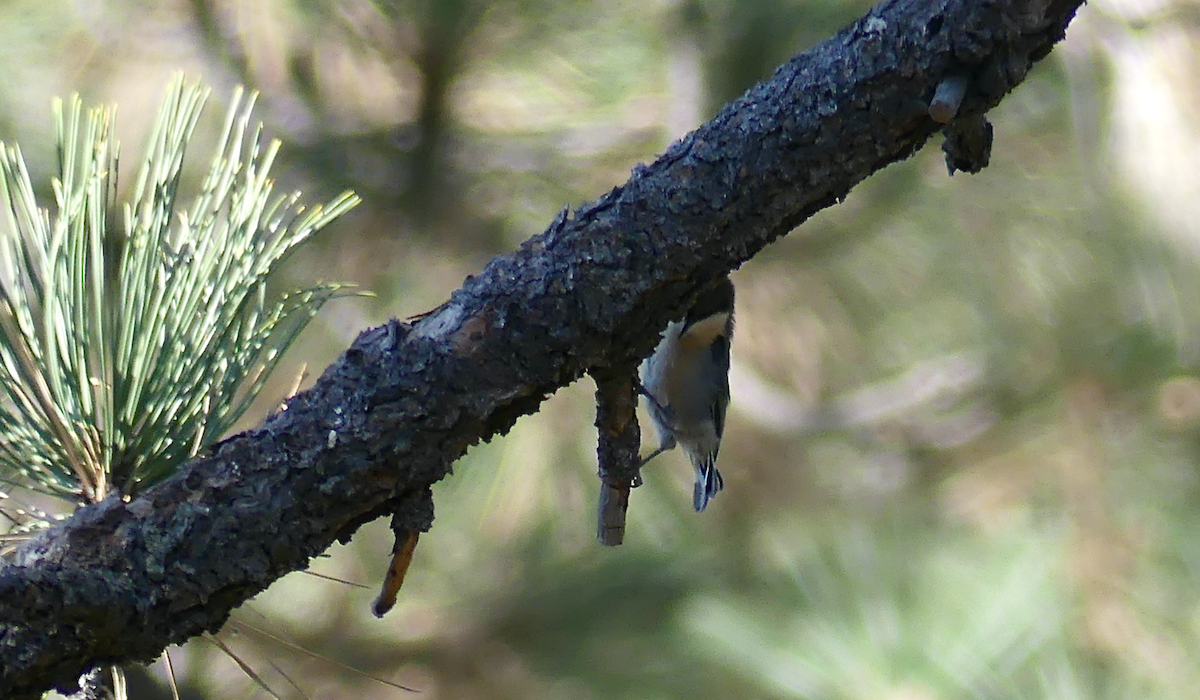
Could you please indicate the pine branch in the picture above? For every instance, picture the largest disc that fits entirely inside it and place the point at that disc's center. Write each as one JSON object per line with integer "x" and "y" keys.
{"x": 120, "y": 581}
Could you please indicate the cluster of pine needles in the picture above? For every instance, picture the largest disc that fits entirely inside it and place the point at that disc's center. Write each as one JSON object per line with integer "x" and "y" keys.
{"x": 136, "y": 325}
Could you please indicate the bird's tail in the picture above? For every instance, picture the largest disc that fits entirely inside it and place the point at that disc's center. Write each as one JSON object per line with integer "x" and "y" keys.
{"x": 708, "y": 483}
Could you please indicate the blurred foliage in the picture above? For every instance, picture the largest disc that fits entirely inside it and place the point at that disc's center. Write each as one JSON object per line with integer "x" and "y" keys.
{"x": 961, "y": 456}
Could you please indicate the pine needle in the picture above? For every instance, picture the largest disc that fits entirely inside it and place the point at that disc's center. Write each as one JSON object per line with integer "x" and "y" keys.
{"x": 246, "y": 669}
{"x": 288, "y": 678}
{"x": 327, "y": 577}
{"x": 171, "y": 674}
{"x": 120, "y": 687}
{"x": 344, "y": 666}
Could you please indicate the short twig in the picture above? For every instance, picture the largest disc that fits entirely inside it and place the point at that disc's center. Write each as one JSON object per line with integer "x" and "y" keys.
{"x": 617, "y": 450}
{"x": 407, "y": 530}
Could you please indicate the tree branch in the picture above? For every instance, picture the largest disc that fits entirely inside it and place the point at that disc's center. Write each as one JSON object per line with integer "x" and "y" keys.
{"x": 118, "y": 581}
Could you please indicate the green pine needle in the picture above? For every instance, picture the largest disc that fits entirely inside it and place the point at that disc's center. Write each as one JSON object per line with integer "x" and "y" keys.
{"x": 124, "y": 351}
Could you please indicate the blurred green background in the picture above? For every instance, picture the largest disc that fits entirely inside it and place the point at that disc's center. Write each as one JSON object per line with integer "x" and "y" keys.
{"x": 961, "y": 459}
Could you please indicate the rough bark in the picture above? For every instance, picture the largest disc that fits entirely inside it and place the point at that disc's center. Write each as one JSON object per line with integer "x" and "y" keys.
{"x": 118, "y": 582}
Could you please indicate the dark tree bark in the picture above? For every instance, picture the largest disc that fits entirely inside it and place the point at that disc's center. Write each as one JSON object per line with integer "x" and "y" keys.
{"x": 118, "y": 582}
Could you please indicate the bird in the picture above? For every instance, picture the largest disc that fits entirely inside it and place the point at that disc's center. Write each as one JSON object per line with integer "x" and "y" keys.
{"x": 685, "y": 384}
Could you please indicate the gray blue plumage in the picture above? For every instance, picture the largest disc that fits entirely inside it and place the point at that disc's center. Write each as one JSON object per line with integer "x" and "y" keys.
{"x": 687, "y": 385}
